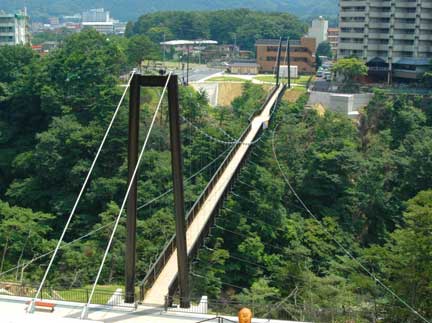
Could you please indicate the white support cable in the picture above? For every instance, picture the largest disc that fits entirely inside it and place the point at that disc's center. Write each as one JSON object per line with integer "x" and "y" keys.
{"x": 31, "y": 307}
{"x": 346, "y": 251}
{"x": 26, "y": 264}
{"x": 132, "y": 180}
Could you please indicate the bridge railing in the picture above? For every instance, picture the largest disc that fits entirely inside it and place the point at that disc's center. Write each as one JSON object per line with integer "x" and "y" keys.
{"x": 169, "y": 248}
{"x": 77, "y": 295}
{"x": 274, "y": 309}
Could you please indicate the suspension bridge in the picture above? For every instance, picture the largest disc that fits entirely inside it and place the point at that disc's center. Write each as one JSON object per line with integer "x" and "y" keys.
{"x": 161, "y": 279}
{"x": 170, "y": 273}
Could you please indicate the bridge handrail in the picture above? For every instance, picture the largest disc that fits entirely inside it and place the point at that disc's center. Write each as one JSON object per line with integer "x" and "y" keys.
{"x": 169, "y": 248}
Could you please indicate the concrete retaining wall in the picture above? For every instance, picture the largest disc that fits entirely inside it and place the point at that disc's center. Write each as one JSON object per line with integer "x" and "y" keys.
{"x": 348, "y": 104}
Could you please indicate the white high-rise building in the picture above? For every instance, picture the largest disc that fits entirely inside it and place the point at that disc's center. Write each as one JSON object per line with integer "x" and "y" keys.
{"x": 319, "y": 30}
{"x": 96, "y": 15}
{"x": 393, "y": 37}
{"x": 14, "y": 29}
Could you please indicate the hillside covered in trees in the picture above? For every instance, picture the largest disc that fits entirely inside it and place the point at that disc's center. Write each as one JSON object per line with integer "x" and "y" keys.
{"x": 367, "y": 185}
{"x": 225, "y": 26}
{"x": 132, "y": 9}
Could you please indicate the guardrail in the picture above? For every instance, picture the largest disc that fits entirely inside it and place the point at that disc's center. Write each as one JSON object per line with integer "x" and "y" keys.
{"x": 161, "y": 261}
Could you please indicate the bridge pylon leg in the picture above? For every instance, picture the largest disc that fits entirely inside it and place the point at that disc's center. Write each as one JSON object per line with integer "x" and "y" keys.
{"x": 131, "y": 220}
{"x": 176, "y": 163}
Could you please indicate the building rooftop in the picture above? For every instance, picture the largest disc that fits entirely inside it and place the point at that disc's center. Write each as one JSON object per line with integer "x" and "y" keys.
{"x": 189, "y": 42}
{"x": 243, "y": 64}
{"x": 275, "y": 42}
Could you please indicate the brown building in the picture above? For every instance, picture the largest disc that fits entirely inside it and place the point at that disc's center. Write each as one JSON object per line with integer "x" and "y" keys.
{"x": 302, "y": 54}
{"x": 333, "y": 39}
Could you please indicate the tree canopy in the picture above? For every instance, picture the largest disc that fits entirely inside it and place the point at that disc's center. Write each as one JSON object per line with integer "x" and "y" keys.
{"x": 225, "y": 26}
{"x": 367, "y": 183}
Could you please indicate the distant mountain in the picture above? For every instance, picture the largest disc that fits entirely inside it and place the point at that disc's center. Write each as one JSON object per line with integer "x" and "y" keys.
{"x": 132, "y": 9}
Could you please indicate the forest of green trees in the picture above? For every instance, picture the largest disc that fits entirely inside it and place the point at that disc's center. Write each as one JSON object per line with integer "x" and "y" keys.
{"x": 132, "y": 9}
{"x": 225, "y": 26}
{"x": 368, "y": 184}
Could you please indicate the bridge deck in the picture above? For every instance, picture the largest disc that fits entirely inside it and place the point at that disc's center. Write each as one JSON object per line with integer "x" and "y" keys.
{"x": 156, "y": 294}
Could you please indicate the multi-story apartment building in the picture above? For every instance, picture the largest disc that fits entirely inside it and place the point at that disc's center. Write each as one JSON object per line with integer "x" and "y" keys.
{"x": 96, "y": 15}
{"x": 302, "y": 54}
{"x": 14, "y": 29}
{"x": 333, "y": 39}
{"x": 394, "y": 37}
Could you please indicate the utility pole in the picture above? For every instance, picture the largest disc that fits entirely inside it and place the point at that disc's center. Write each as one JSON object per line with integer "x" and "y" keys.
{"x": 187, "y": 65}
{"x": 235, "y": 45}
{"x": 164, "y": 48}
{"x": 278, "y": 62}
{"x": 289, "y": 62}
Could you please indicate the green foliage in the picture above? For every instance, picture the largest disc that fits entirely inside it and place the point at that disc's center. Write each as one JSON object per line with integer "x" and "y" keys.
{"x": 427, "y": 77}
{"x": 223, "y": 26}
{"x": 350, "y": 69}
{"x": 22, "y": 234}
{"x": 404, "y": 259}
{"x": 140, "y": 48}
{"x": 265, "y": 248}
{"x": 57, "y": 36}
{"x": 131, "y": 9}
{"x": 324, "y": 49}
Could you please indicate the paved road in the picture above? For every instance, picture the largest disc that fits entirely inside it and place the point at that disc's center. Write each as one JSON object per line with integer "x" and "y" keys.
{"x": 198, "y": 74}
{"x": 321, "y": 85}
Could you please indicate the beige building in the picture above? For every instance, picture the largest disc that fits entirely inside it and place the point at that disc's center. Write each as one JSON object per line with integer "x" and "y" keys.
{"x": 302, "y": 54}
{"x": 333, "y": 39}
{"x": 394, "y": 37}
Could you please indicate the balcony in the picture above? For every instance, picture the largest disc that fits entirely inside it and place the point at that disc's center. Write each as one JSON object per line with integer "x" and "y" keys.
{"x": 379, "y": 14}
{"x": 425, "y": 37}
{"x": 379, "y": 36}
{"x": 403, "y": 36}
{"x": 351, "y": 24}
{"x": 403, "y": 48}
{"x": 351, "y": 46}
{"x": 378, "y": 47}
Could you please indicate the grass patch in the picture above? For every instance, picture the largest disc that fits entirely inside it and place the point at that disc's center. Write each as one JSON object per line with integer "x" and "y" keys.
{"x": 226, "y": 79}
{"x": 101, "y": 296}
{"x": 294, "y": 94}
{"x": 266, "y": 78}
{"x": 302, "y": 80}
